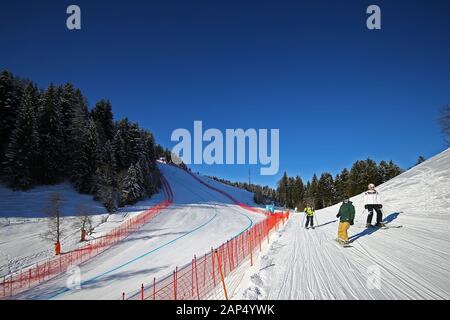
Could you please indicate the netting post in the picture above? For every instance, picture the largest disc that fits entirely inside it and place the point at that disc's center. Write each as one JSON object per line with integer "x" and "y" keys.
{"x": 11, "y": 285}
{"x": 123, "y": 296}
{"x": 154, "y": 288}
{"x": 250, "y": 249}
{"x": 221, "y": 275}
{"x": 196, "y": 276}
{"x": 142, "y": 292}
{"x": 204, "y": 270}
{"x": 175, "y": 285}
{"x": 29, "y": 278}
{"x": 192, "y": 278}
{"x": 259, "y": 236}
{"x": 213, "y": 272}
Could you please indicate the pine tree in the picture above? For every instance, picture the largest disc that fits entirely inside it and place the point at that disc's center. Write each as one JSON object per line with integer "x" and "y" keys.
{"x": 326, "y": 191}
{"x": 312, "y": 194}
{"x": 282, "y": 190}
{"x": 103, "y": 117}
{"x": 21, "y": 155}
{"x": 372, "y": 173}
{"x": 420, "y": 160}
{"x": 105, "y": 188}
{"x": 358, "y": 178}
{"x": 85, "y": 160}
{"x": 393, "y": 170}
{"x": 131, "y": 190}
{"x": 444, "y": 121}
{"x": 51, "y": 138}
{"x": 298, "y": 193}
{"x": 10, "y": 95}
{"x": 341, "y": 183}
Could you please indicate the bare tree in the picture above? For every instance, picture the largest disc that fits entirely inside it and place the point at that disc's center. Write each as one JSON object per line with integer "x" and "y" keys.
{"x": 53, "y": 212}
{"x": 444, "y": 121}
{"x": 85, "y": 221}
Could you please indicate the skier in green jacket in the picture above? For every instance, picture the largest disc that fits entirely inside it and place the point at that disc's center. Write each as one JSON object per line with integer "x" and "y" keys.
{"x": 347, "y": 216}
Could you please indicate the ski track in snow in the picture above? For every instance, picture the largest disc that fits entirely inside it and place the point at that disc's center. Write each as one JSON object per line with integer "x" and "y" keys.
{"x": 413, "y": 261}
{"x": 198, "y": 219}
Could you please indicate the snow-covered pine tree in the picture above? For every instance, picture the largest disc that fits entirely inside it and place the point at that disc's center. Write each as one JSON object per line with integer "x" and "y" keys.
{"x": 84, "y": 162}
{"x": 51, "y": 138}
{"x": 22, "y": 153}
{"x": 131, "y": 190}
{"x": 105, "y": 190}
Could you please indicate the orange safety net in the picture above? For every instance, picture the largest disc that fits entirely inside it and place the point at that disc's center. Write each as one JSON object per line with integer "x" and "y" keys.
{"x": 26, "y": 278}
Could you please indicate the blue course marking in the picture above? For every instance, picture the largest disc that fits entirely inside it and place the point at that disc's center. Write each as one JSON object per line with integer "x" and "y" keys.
{"x": 92, "y": 280}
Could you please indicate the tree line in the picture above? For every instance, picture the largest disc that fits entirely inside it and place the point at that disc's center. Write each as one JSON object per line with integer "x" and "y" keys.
{"x": 50, "y": 135}
{"x": 323, "y": 191}
{"x": 326, "y": 190}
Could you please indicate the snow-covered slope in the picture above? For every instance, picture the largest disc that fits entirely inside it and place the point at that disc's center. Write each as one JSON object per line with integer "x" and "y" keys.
{"x": 31, "y": 203}
{"x": 411, "y": 262}
{"x": 22, "y": 236}
{"x": 198, "y": 219}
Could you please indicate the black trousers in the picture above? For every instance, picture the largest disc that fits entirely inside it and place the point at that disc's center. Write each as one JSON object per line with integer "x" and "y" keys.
{"x": 375, "y": 207}
{"x": 309, "y": 221}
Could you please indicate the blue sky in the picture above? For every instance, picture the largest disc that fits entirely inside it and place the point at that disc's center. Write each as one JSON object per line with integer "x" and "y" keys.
{"x": 337, "y": 91}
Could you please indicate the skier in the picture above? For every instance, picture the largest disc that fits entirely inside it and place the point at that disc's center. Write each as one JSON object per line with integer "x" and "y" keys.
{"x": 347, "y": 215}
{"x": 309, "y": 211}
{"x": 372, "y": 201}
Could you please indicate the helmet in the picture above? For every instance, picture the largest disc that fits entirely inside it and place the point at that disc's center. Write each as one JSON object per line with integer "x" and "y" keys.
{"x": 371, "y": 186}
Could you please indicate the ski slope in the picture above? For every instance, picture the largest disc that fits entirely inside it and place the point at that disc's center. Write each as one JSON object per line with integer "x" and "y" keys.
{"x": 411, "y": 262}
{"x": 198, "y": 219}
{"x": 23, "y": 225}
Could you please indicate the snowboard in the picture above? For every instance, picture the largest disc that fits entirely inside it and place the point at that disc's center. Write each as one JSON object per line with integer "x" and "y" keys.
{"x": 342, "y": 245}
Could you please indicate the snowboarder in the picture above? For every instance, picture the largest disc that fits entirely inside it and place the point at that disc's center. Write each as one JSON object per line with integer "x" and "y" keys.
{"x": 347, "y": 215}
{"x": 309, "y": 211}
{"x": 372, "y": 201}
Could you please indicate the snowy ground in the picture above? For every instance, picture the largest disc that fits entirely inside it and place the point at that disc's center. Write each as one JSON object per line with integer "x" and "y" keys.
{"x": 198, "y": 219}
{"x": 411, "y": 262}
{"x": 23, "y": 227}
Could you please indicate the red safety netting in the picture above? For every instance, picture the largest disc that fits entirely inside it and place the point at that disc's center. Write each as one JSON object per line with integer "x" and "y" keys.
{"x": 206, "y": 277}
{"x": 33, "y": 275}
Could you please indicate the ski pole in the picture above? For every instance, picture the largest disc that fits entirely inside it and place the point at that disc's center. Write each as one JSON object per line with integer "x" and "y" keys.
{"x": 303, "y": 219}
{"x": 317, "y": 220}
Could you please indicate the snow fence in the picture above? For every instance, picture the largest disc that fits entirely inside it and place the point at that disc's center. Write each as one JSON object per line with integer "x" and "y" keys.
{"x": 31, "y": 276}
{"x": 206, "y": 277}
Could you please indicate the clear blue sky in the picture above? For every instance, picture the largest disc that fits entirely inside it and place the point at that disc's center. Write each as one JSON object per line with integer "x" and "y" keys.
{"x": 337, "y": 91}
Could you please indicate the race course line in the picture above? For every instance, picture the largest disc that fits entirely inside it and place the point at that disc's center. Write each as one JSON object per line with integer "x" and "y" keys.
{"x": 92, "y": 280}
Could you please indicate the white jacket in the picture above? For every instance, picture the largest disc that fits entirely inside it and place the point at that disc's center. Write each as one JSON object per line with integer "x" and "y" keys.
{"x": 372, "y": 197}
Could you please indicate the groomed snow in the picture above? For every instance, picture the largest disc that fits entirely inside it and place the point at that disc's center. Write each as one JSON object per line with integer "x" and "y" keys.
{"x": 411, "y": 262}
{"x": 198, "y": 219}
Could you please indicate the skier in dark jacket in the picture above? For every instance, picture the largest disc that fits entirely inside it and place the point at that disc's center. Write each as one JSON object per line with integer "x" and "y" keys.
{"x": 347, "y": 216}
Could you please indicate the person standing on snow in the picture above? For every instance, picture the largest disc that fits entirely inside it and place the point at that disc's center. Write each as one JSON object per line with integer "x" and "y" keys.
{"x": 372, "y": 201}
{"x": 309, "y": 211}
{"x": 347, "y": 216}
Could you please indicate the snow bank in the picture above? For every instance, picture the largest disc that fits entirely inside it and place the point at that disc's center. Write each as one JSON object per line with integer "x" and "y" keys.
{"x": 409, "y": 262}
